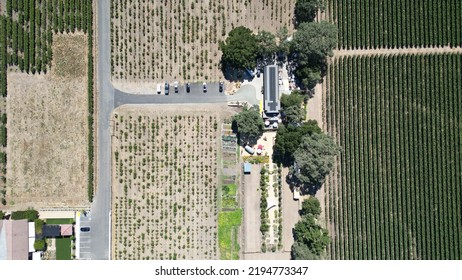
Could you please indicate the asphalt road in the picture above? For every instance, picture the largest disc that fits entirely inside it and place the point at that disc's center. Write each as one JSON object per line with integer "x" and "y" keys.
{"x": 110, "y": 98}
{"x": 101, "y": 207}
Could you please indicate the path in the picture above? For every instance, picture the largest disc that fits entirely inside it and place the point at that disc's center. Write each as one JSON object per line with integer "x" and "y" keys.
{"x": 369, "y": 52}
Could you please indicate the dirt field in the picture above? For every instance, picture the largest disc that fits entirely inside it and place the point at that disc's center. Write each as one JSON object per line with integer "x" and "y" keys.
{"x": 48, "y": 132}
{"x": 165, "y": 181}
{"x": 155, "y": 41}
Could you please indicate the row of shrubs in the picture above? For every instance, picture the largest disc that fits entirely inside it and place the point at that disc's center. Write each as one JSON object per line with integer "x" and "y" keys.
{"x": 90, "y": 104}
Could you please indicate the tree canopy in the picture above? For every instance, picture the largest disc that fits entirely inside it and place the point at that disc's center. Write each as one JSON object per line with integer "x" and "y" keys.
{"x": 311, "y": 234}
{"x": 294, "y": 114}
{"x": 249, "y": 125}
{"x": 294, "y": 99}
{"x": 310, "y": 238}
{"x": 311, "y": 206}
{"x": 267, "y": 46}
{"x": 305, "y": 10}
{"x": 240, "y": 49}
{"x": 29, "y": 214}
{"x": 288, "y": 139}
{"x": 314, "y": 158}
{"x": 312, "y": 43}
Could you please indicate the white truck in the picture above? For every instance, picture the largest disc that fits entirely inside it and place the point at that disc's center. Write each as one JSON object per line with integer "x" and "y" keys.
{"x": 159, "y": 88}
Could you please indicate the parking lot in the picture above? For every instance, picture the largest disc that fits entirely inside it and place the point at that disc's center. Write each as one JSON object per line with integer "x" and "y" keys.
{"x": 84, "y": 237}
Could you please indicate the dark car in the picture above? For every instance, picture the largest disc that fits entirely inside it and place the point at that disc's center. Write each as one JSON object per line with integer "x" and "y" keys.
{"x": 220, "y": 87}
{"x": 204, "y": 87}
{"x": 188, "y": 87}
{"x": 167, "y": 87}
{"x": 85, "y": 229}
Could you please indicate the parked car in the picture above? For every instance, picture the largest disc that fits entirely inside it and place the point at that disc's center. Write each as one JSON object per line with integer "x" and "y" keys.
{"x": 220, "y": 87}
{"x": 249, "y": 149}
{"x": 176, "y": 86}
{"x": 159, "y": 88}
{"x": 85, "y": 229}
{"x": 204, "y": 87}
{"x": 188, "y": 87}
{"x": 167, "y": 88}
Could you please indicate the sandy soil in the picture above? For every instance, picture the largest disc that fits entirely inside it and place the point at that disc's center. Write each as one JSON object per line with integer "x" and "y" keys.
{"x": 165, "y": 178}
{"x": 48, "y": 131}
{"x": 163, "y": 41}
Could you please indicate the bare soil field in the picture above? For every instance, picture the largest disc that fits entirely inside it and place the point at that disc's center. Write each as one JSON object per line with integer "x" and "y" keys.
{"x": 165, "y": 181}
{"x": 155, "y": 41}
{"x": 48, "y": 131}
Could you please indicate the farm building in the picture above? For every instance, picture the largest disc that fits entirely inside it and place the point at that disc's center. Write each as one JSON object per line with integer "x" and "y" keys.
{"x": 271, "y": 105}
{"x": 247, "y": 168}
{"x": 14, "y": 240}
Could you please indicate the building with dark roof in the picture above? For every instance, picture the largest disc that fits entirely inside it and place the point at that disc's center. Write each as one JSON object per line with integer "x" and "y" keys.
{"x": 271, "y": 105}
{"x": 51, "y": 231}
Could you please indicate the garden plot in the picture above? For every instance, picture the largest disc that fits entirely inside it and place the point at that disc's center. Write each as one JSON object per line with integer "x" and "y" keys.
{"x": 48, "y": 131}
{"x": 165, "y": 181}
{"x": 154, "y": 41}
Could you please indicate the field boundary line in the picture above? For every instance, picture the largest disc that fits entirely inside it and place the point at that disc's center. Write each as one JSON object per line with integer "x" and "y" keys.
{"x": 393, "y": 51}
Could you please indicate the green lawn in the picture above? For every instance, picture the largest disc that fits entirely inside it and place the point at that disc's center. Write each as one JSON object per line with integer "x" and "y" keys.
{"x": 59, "y": 221}
{"x": 228, "y": 225}
{"x": 63, "y": 248}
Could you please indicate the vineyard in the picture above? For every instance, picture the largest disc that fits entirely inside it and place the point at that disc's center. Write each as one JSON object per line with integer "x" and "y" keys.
{"x": 27, "y": 29}
{"x": 397, "y": 23}
{"x": 165, "y": 183}
{"x": 396, "y": 189}
{"x": 154, "y": 41}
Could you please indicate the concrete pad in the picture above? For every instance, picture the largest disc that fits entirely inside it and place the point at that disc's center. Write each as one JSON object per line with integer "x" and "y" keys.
{"x": 290, "y": 214}
{"x": 252, "y": 234}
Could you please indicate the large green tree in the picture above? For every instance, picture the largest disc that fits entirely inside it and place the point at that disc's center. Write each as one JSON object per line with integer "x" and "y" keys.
{"x": 288, "y": 139}
{"x": 308, "y": 232}
{"x": 312, "y": 43}
{"x": 294, "y": 114}
{"x": 301, "y": 251}
{"x": 314, "y": 159}
{"x": 267, "y": 47}
{"x": 240, "y": 49}
{"x": 249, "y": 125}
{"x": 305, "y": 10}
{"x": 311, "y": 206}
{"x": 295, "y": 98}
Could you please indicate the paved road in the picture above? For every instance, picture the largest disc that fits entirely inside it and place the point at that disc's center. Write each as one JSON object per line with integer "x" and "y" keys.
{"x": 101, "y": 207}
{"x": 108, "y": 99}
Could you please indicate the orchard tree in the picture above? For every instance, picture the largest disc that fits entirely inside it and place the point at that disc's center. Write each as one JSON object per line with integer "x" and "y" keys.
{"x": 249, "y": 125}
{"x": 240, "y": 49}
{"x": 314, "y": 159}
{"x": 305, "y": 10}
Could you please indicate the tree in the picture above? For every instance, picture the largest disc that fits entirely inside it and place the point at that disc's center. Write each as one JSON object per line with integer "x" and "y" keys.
{"x": 305, "y": 10}
{"x": 2, "y": 215}
{"x": 294, "y": 99}
{"x": 288, "y": 139}
{"x": 294, "y": 114}
{"x": 240, "y": 49}
{"x": 312, "y": 43}
{"x": 314, "y": 159}
{"x": 283, "y": 45}
{"x": 29, "y": 214}
{"x": 300, "y": 251}
{"x": 311, "y": 207}
{"x": 267, "y": 47}
{"x": 249, "y": 125}
{"x": 311, "y": 234}
{"x": 39, "y": 245}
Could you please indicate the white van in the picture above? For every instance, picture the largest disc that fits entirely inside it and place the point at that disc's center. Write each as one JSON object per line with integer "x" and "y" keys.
{"x": 249, "y": 149}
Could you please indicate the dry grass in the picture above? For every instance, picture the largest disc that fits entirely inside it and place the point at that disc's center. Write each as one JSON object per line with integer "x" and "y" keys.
{"x": 48, "y": 132}
{"x": 154, "y": 41}
{"x": 165, "y": 182}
